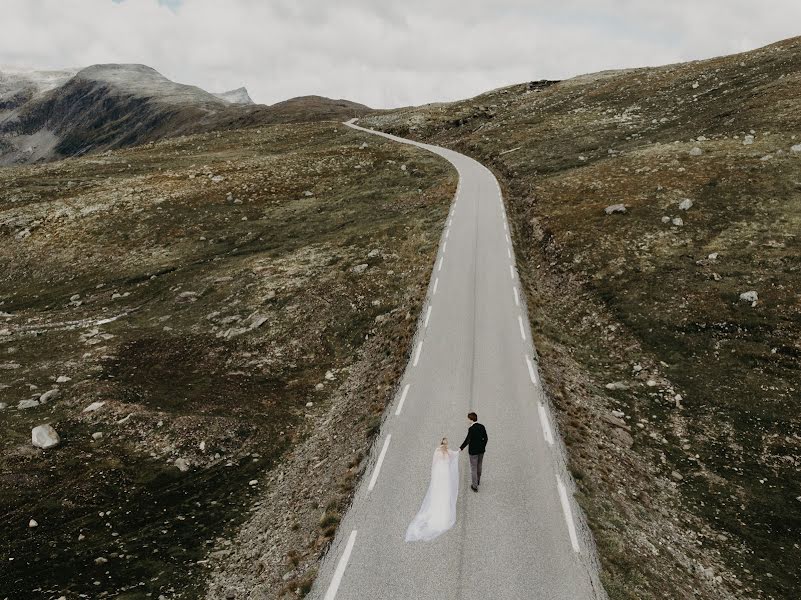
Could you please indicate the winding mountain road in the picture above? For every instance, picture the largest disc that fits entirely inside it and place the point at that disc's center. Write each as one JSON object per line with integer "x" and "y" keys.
{"x": 520, "y": 537}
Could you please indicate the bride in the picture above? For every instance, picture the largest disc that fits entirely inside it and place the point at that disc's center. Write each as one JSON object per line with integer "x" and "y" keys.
{"x": 438, "y": 512}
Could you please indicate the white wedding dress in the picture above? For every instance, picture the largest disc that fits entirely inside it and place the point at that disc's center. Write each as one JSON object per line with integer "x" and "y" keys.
{"x": 438, "y": 512}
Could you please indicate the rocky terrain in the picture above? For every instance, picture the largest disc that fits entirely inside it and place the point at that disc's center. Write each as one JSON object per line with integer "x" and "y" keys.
{"x": 52, "y": 115}
{"x": 656, "y": 216}
{"x": 199, "y": 335}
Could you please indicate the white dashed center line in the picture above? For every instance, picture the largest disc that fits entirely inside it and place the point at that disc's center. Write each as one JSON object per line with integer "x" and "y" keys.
{"x": 417, "y": 354}
{"x": 343, "y": 563}
{"x": 571, "y": 528}
{"x": 377, "y": 470}
{"x": 402, "y": 400}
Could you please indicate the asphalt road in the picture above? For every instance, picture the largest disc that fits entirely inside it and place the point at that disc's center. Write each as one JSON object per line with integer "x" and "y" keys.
{"x": 521, "y": 536}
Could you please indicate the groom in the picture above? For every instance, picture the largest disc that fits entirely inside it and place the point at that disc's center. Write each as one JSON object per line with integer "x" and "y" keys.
{"x": 476, "y": 441}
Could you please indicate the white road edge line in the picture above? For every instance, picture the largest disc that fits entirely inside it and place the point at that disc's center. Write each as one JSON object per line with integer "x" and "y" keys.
{"x": 447, "y": 233}
{"x": 546, "y": 425}
{"x": 377, "y": 469}
{"x": 340, "y": 571}
{"x": 522, "y": 329}
{"x": 417, "y": 354}
{"x": 436, "y": 283}
{"x": 445, "y": 246}
{"x": 517, "y": 298}
{"x": 402, "y": 400}
{"x": 428, "y": 316}
{"x": 571, "y": 528}
{"x": 439, "y": 267}
{"x": 509, "y": 252}
{"x": 505, "y": 228}
{"x": 531, "y": 373}
{"x": 512, "y": 271}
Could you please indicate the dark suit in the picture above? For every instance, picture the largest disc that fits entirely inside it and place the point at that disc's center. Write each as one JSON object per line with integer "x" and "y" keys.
{"x": 476, "y": 442}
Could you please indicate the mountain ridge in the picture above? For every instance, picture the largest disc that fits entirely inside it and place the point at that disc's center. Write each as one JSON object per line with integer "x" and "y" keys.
{"x": 52, "y": 115}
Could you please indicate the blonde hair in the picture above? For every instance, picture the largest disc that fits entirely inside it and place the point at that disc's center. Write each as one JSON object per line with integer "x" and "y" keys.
{"x": 444, "y": 444}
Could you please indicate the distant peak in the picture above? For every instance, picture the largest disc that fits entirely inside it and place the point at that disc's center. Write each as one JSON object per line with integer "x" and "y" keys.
{"x": 238, "y": 96}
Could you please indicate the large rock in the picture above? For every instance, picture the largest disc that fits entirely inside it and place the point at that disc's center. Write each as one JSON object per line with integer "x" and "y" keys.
{"x": 44, "y": 436}
{"x": 750, "y": 296}
{"x": 615, "y": 208}
{"x": 49, "y": 395}
{"x": 23, "y": 404}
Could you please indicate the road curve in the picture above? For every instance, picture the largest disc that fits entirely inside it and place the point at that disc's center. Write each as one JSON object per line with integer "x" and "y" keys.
{"x": 520, "y": 537}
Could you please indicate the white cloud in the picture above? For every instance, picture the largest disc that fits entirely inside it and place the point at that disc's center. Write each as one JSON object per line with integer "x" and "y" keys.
{"x": 379, "y": 52}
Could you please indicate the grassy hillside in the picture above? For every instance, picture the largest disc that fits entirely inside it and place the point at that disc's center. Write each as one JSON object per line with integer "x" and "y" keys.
{"x": 678, "y": 397}
{"x": 228, "y": 297}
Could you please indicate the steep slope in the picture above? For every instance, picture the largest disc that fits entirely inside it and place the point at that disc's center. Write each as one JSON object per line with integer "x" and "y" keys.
{"x": 114, "y": 106}
{"x": 669, "y": 325}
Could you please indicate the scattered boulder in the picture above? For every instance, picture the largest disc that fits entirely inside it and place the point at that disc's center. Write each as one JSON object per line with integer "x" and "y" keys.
{"x": 373, "y": 253}
{"x": 749, "y": 296}
{"x": 678, "y": 221}
{"x": 617, "y": 385}
{"x": 796, "y": 148}
{"x": 3, "y": 405}
{"x": 23, "y": 404}
{"x": 186, "y": 297}
{"x": 182, "y": 464}
{"x": 32, "y": 523}
{"x": 360, "y": 268}
{"x": 748, "y": 140}
{"x": 676, "y": 476}
{"x": 63, "y": 379}
{"x": 97, "y": 435}
{"x": 615, "y": 208}
{"x": 696, "y": 151}
{"x": 49, "y": 395}
{"x": 93, "y": 406}
{"x": 685, "y": 204}
{"x": 615, "y": 421}
{"x": 44, "y": 436}
{"x": 623, "y": 438}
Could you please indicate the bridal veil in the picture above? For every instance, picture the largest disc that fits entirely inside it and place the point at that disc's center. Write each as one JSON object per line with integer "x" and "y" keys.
{"x": 438, "y": 511}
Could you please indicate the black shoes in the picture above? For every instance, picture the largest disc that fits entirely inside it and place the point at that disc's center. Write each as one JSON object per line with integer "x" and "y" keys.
{"x": 474, "y": 488}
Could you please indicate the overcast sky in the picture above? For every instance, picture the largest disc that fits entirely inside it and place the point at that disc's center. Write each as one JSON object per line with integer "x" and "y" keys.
{"x": 380, "y": 52}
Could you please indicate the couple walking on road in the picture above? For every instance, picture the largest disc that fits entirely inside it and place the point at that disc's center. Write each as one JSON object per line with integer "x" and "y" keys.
{"x": 438, "y": 511}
